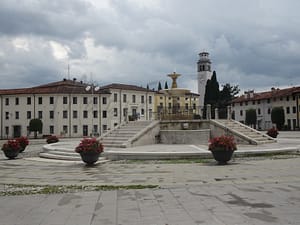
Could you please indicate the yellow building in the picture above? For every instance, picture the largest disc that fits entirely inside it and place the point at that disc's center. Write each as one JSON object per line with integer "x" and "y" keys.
{"x": 176, "y": 103}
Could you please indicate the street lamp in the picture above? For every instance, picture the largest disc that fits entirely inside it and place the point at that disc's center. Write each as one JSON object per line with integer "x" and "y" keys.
{"x": 92, "y": 88}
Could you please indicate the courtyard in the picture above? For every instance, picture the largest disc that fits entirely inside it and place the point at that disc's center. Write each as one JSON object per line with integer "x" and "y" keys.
{"x": 249, "y": 190}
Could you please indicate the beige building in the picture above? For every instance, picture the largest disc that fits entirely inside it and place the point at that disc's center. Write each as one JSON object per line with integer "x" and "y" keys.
{"x": 263, "y": 102}
{"x": 176, "y": 103}
{"x": 72, "y": 109}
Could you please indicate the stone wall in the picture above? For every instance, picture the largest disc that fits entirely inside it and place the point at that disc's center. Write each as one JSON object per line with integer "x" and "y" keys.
{"x": 185, "y": 136}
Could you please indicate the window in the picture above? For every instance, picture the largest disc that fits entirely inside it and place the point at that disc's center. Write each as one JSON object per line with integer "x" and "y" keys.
{"x": 142, "y": 99}
{"x": 28, "y": 100}
{"x": 65, "y": 114}
{"x": 104, "y": 100}
{"x": 65, "y": 129}
{"x": 253, "y": 102}
{"x": 104, "y": 127}
{"x": 65, "y": 100}
{"x": 124, "y": 98}
{"x": 74, "y": 100}
{"x": 6, "y": 130}
{"x": 269, "y": 110}
{"x": 85, "y": 100}
{"x": 7, "y": 101}
{"x": 186, "y": 106}
{"x": 85, "y": 114}
{"x": 51, "y": 129}
{"x": 133, "y": 98}
{"x": 258, "y": 102}
{"x": 28, "y": 114}
{"x": 258, "y": 111}
{"x": 104, "y": 114}
{"x": 75, "y": 129}
{"x": 246, "y": 103}
{"x": 125, "y": 111}
{"x": 241, "y": 112}
{"x": 51, "y": 100}
{"x": 95, "y": 100}
{"x": 294, "y": 109}
{"x": 40, "y": 100}
{"x": 95, "y": 129}
{"x": 142, "y": 112}
{"x": 241, "y": 104}
{"x": 115, "y": 97}
{"x": 95, "y": 114}
{"x": 40, "y": 114}
{"x": 170, "y": 105}
{"x": 7, "y": 115}
{"x": 280, "y": 98}
{"x": 150, "y": 99}
{"x": 287, "y": 110}
{"x": 287, "y": 98}
{"x": 294, "y": 97}
{"x": 51, "y": 114}
{"x": 268, "y": 100}
{"x": 194, "y": 106}
{"x": 75, "y": 114}
{"x": 17, "y": 101}
{"x": 17, "y": 115}
{"x": 115, "y": 111}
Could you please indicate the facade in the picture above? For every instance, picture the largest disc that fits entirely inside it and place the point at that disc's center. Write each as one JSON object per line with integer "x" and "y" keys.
{"x": 68, "y": 108}
{"x": 176, "y": 103}
{"x": 263, "y": 103}
{"x": 203, "y": 74}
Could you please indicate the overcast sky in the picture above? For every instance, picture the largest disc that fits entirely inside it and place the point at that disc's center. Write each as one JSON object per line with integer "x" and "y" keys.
{"x": 254, "y": 44}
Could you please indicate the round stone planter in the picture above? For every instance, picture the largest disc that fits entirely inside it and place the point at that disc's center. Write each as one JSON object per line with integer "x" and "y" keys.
{"x": 22, "y": 149}
{"x": 11, "y": 154}
{"x": 222, "y": 156}
{"x": 89, "y": 157}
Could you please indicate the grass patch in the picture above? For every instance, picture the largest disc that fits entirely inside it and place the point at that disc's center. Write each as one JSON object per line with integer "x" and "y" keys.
{"x": 27, "y": 189}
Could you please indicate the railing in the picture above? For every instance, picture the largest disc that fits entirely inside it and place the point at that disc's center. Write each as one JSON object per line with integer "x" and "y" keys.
{"x": 186, "y": 113}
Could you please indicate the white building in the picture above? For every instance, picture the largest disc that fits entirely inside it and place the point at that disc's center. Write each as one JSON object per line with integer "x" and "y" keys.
{"x": 67, "y": 108}
{"x": 263, "y": 102}
{"x": 204, "y": 74}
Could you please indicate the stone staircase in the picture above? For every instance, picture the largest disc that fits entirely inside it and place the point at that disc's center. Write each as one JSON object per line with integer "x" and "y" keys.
{"x": 122, "y": 136}
{"x": 63, "y": 151}
{"x": 244, "y": 132}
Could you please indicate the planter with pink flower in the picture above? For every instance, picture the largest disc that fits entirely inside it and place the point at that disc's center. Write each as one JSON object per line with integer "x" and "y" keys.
{"x": 11, "y": 148}
{"x": 89, "y": 150}
{"x": 23, "y": 141}
{"x": 222, "y": 148}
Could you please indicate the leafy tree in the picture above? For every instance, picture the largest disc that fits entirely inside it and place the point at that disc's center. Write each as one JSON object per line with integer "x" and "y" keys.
{"x": 166, "y": 85}
{"x": 251, "y": 117}
{"x": 277, "y": 117}
{"x": 36, "y": 125}
{"x": 159, "y": 86}
{"x": 219, "y": 99}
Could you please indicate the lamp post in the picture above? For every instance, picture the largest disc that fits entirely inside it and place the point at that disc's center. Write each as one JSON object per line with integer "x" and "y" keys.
{"x": 92, "y": 88}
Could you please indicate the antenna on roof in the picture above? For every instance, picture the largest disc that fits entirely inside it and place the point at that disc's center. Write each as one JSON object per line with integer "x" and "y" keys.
{"x": 68, "y": 70}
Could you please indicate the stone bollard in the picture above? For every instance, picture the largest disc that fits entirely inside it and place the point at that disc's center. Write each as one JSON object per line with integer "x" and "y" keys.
{"x": 216, "y": 113}
{"x": 208, "y": 111}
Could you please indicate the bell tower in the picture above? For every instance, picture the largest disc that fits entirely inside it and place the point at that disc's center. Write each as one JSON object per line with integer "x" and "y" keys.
{"x": 203, "y": 74}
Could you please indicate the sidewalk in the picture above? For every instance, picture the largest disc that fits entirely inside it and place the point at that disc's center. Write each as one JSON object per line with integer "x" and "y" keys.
{"x": 247, "y": 191}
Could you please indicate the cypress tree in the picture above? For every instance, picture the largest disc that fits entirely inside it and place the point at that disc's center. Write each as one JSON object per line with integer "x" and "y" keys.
{"x": 166, "y": 85}
{"x": 159, "y": 86}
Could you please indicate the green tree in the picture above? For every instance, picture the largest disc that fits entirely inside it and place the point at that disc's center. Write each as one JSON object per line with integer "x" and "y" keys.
{"x": 159, "y": 86}
{"x": 35, "y": 125}
{"x": 278, "y": 117}
{"x": 251, "y": 117}
{"x": 166, "y": 85}
{"x": 212, "y": 91}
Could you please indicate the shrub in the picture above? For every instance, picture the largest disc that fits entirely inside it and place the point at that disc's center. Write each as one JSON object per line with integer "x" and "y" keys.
{"x": 272, "y": 132}
{"x": 222, "y": 143}
{"x": 52, "y": 139}
{"x": 89, "y": 145}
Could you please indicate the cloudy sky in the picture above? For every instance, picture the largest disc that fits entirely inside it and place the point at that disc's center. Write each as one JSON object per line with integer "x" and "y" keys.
{"x": 254, "y": 44}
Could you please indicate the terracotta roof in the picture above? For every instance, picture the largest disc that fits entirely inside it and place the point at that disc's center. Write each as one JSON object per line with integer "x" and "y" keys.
{"x": 125, "y": 87}
{"x": 60, "y": 87}
{"x": 274, "y": 93}
{"x": 69, "y": 87}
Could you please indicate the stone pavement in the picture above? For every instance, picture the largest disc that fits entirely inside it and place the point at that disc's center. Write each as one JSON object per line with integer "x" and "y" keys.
{"x": 247, "y": 191}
